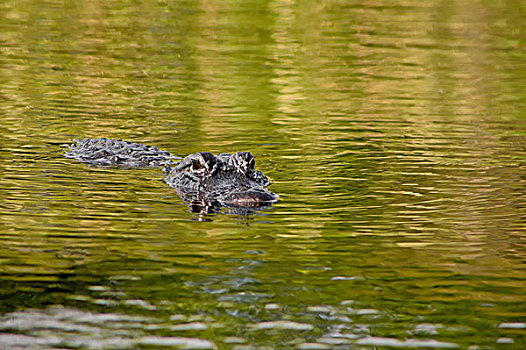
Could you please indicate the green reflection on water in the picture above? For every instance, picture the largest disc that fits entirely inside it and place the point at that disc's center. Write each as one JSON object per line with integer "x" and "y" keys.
{"x": 394, "y": 134}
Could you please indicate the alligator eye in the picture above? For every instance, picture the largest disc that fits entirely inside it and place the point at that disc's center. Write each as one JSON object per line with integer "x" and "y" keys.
{"x": 196, "y": 165}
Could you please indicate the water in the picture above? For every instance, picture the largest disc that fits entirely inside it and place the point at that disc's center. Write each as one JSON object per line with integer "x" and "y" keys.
{"x": 394, "y": 134}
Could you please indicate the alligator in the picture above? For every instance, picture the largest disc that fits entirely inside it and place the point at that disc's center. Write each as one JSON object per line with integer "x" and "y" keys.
{"x": 202, "y": 179}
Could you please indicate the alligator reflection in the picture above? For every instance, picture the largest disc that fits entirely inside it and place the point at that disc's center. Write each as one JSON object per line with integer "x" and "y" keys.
{"x": 202, "y": 207}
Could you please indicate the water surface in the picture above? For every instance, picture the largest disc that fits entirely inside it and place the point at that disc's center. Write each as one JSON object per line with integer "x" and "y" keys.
{"x": 393, "y": 132}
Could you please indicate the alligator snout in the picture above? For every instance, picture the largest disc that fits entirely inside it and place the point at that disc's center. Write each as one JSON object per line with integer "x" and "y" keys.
{"x": 252, "y": 198}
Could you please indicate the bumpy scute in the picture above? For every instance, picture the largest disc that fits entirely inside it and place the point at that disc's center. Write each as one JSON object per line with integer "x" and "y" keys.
{"x": 105, "y": 151}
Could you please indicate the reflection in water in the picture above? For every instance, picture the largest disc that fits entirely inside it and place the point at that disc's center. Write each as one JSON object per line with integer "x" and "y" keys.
{"x": 62, "y": 327}
{"x": 394, "y": 134}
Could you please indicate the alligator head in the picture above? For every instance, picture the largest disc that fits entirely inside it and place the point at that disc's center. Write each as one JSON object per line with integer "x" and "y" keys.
{"x": 223, "y": 180}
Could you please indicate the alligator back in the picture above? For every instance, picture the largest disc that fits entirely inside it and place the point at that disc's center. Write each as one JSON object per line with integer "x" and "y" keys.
{"x": 127, "y": 154}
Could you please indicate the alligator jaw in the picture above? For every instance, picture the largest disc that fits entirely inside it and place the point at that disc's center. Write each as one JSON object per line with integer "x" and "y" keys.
{"x": 252, "y": 198}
